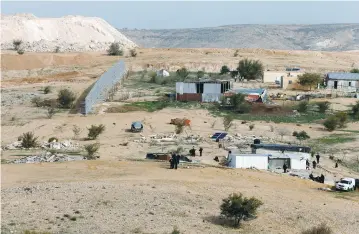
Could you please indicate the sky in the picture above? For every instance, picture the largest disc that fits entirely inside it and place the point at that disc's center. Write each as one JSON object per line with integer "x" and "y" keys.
{"x": 190, "y": 14}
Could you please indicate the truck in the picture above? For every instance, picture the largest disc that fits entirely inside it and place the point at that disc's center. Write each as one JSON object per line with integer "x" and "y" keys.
{"x": 345, "y": 184}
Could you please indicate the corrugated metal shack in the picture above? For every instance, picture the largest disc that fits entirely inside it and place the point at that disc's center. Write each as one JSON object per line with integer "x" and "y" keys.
{"x": 202, "y": 91}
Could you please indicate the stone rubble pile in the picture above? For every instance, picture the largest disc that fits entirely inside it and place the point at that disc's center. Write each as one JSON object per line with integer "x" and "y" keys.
{"x": 48, "y": 157}
{"x": 66, "y": 145}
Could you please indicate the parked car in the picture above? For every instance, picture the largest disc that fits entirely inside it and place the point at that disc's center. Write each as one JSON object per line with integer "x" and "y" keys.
{"x": 346, "y": 184}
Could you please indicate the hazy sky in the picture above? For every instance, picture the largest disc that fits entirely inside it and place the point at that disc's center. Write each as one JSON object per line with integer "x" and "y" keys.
{"x": 161, "y": 15}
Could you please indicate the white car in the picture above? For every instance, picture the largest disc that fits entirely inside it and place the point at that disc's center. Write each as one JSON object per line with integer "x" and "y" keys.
{"x": 346, "y": 184}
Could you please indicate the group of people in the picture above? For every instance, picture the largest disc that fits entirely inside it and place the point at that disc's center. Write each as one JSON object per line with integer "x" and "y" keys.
{"x": 192, "y": 151}
{"x": 314, "y": 163}
{"x": 175, "y": 158}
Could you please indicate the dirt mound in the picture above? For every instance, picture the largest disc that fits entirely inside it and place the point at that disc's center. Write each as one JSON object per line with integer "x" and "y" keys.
{"x": 69, "y": 33}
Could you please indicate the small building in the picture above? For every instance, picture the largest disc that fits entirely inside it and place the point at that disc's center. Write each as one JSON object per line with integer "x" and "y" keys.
{"x": 163, "y": 73}
{"x": 202, "y": 91}
{"x": 268, "y": 160}
{"x": 252, "y": 95}
{"x": 342, "y": 80}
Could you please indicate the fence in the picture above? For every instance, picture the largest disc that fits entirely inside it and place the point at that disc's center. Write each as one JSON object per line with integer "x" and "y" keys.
{"x": 104, "y": 86}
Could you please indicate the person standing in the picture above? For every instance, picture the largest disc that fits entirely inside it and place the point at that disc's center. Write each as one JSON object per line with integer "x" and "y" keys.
{"x": 173, "y": 161}
{"x": 307, "y": 164}
{"x": 314, "y": 164}
{"x": 200, "y": 151}
{"x": 177, "y": 160}
{"x": 285, "y": 167}
{"x": 318, "y": 157}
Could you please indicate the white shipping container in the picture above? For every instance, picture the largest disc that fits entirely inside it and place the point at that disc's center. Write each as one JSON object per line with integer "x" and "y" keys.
{"x": 259, "y": 161}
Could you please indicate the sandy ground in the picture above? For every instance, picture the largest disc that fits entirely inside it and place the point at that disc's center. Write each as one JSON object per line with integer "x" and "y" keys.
{"x": 145, "y": 197}
{"x": 118, "y": 195}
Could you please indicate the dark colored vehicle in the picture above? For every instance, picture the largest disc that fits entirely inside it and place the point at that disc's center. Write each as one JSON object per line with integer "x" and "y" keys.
{"x": 137, "y": 127}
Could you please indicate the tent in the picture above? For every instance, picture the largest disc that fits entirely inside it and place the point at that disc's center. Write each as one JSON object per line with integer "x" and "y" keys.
{"x": 163, "y": 73}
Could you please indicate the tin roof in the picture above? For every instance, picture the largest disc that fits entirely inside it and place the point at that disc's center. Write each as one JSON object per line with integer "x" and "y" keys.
{"x": 249, "y": 91}
{"x": 294, "y": 148}
{"x": 343, "y": 76}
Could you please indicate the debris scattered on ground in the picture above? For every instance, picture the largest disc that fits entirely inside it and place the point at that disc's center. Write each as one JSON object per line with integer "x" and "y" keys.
{"x": 66, "y": 145}
{"x": 48, "y": 157}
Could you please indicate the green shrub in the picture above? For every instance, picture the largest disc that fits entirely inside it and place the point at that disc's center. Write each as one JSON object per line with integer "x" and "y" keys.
{"x": 91, "y": 150}
{"x": 175, "y": 230}
{"x": 51, "y": 139}
{"x": 133, "y": 53}
{"x": 295, "y": 133}
{"x": 50, "y": 112}
{"x": 77, "y": 131}
{"x": 57, "y": 49}
{"x": 17, "y": 43}
{"x": 251, "y": 126}
{"x": 224, "y": 70}
{"x": 227, "y": 122}
{"x": 237, "y": 207}
{"x": 95, "y": 131}
{"x": 182, "y": 72}
{"x": 301, "y": 136}
{"x": 322, "y": 229}
{"x": 115, "y": 50}
{"x": 200, "y": 74}
{"x": 37, "y": 101}
{"x": 355, "y": 110}
{"x": 66, "y": 98}
{"x": 303, "y": 107}
{"x": 342, "y": 118}
{"x": 323, "y": 106}
{"x": 47, "y": 89}
{"x": 153, "y": 76}
{"x": 331, "y": 123}
{"x": 20, "y": 51}
{"x": 28, "y": 140}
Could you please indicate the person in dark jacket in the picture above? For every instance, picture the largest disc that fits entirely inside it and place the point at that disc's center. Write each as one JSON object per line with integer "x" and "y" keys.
{"x": 322, "y": 178}
{"x": 285, "y": 167}
{"x": 200, "y": 151}
{"x": 318, "y": 157}
{"x": 307, "y": 164}
{"x": 173, "y": 161}
{"x": 314, "y": 164}
{"x": 177, "y": 160}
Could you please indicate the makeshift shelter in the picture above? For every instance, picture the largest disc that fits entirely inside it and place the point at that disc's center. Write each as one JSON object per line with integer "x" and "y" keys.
{"x": 252, "y": 95}
{"x": 269, "y": 160}
{"x": 163, "y": 73}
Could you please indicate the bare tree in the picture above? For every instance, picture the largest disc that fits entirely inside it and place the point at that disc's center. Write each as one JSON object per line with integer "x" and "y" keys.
{"x": 283, "y": 132}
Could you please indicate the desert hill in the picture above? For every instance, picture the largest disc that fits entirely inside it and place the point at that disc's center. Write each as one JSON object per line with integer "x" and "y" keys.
{"x": 326, "y": 37}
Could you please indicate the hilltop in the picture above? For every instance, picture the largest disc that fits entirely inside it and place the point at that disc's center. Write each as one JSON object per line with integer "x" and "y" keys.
{"x": 326, "y": 37}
